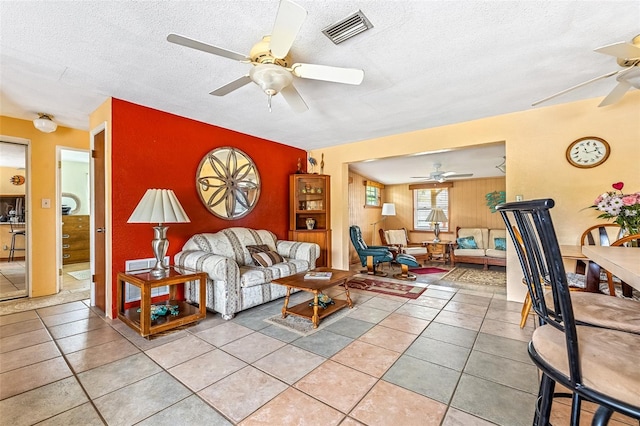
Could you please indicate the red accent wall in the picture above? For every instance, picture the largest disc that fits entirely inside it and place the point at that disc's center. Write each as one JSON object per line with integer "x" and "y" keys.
{"x": 155, "y": 149}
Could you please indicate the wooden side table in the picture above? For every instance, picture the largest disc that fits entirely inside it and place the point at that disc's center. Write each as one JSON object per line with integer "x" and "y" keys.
{"x": 440, "y": 251}
{"x": 141, "y": 321}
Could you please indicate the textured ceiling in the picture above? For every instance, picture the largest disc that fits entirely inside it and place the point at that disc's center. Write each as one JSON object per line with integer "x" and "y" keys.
{"x": 426, "y": 63}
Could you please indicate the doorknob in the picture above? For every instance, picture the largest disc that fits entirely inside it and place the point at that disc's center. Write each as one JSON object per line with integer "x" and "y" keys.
{"x": 100, "y": 230}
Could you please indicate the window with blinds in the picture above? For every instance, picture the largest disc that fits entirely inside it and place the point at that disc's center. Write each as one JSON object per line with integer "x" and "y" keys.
{"x": 426, "y": 199}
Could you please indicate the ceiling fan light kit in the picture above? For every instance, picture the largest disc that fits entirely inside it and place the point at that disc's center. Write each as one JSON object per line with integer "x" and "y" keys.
{"x": 270, "y": 61}
{"x": 44, "y": 123}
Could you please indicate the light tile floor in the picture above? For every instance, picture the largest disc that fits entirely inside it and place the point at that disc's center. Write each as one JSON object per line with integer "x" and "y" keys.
{"x": 451, "y": 357}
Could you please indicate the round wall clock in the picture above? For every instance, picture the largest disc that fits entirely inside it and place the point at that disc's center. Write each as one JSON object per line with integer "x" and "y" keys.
{"x": 588, "y": 152}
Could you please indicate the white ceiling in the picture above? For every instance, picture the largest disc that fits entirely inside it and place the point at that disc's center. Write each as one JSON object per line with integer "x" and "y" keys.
{"x": 426, "y": 63}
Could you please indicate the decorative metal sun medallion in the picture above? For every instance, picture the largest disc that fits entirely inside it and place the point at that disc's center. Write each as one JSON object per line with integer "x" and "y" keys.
{"x": 228, "y": 183}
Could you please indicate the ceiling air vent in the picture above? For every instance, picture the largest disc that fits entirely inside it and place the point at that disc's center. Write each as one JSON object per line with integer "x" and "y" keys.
{"x": 348, "y": 27}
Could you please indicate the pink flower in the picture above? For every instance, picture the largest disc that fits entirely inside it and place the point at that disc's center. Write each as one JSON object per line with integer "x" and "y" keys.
{"x": 629, "y": 200}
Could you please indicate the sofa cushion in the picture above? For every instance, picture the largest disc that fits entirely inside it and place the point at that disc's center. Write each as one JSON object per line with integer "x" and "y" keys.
{"x": 496, "y": 253}
{"x": 480, "y": 235}
{"x": 396, "y": 236}
{"x": 469, "y": 252}
{"x": 467, "y": 242}
{"x": 253, "y": 275}
{"x": 266, "y": 258}
{"x": 415, "y": 251}
{"x": 258, "y": 248}
{"x": 493, "y": 235}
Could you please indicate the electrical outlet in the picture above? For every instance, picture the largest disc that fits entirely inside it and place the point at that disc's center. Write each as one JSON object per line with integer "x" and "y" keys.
{"x": 5, "y": 247}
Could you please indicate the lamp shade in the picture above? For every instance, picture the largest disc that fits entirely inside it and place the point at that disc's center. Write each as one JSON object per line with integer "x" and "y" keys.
{"x": 45, "y": 124}
{"x": 436, "y": 215}
{"x": 159, "y": 206}
{"x": 388, "y": 209}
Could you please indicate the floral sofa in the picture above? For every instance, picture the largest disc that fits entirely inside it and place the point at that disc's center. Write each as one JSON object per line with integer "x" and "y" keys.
{"x": 481, "y": 246}
{"x": 234, "y": 281}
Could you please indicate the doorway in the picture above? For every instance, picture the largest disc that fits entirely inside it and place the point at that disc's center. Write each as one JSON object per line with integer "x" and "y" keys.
{"x": 14, "y": 183}
{"x": 74, "y": 191}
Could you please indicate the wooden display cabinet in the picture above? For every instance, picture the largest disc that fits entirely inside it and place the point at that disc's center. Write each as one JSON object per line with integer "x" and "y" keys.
{"x": 309, "y": 202}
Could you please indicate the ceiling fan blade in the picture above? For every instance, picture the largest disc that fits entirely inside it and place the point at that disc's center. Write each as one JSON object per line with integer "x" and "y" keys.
{"x": 621, "y": 49}
{"x": 607, "y": 75}
{"x": 327, "y": 73}
{"x": 457, "y": 175}
{"x": 198, "y": 45}
{"x": 616, "y": 94}
{"x": 230, "y": 87}
{"x": 445, "y": 174}
{"x": 293, "y": 98}
{"x": 285, "y": 29}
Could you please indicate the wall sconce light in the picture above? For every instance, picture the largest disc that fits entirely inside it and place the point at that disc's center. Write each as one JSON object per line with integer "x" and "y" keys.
{"x": 503, "y": 166}
{"x": 44, "y": 123}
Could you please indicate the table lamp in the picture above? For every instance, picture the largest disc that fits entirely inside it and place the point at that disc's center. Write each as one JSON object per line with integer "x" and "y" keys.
{"x": 436, "y": 216}
{"x": 159, "y": 206}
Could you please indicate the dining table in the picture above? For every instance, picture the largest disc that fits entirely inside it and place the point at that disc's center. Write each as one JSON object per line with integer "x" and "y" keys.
{"x": 623, "y": 262}
{"x": 583, "y": 266}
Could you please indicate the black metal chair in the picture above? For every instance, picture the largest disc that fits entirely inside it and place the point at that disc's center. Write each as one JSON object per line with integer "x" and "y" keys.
{"x": 596, "y": 364}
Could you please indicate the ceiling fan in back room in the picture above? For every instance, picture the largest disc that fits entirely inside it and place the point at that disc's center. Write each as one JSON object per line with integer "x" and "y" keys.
{"x": 628, "y": 56}
{"x": 441, "y": 176}
{"x": 271, "y": 65}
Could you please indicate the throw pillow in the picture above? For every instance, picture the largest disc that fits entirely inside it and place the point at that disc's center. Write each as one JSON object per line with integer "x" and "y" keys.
{"x": 260, "y": 248}
{"x": 467, "y": 243}
{"x": 501, "y": 243}
{"x": 266, "y": 258}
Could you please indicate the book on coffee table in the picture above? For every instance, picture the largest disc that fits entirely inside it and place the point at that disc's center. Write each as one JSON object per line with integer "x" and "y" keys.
{"x": 316, "y": 275}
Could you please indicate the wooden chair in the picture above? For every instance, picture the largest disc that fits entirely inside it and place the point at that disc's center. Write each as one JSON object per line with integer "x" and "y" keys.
{"x": 593, "y": 363}
{"x": 597, "y": 235}
{"x": 399, "y": 238}
{"x": 627, "y": 290}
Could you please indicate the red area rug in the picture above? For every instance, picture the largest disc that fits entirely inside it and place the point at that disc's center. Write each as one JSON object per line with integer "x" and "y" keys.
{"x": 423, "y": 271}
{"x": 385, "y": 287}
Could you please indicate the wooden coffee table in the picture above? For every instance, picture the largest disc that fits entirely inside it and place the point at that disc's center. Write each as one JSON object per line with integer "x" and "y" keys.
{"x": 314, "y": 312}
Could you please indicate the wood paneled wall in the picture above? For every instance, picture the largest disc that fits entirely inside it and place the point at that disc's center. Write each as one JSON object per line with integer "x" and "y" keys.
{"x": 468, "y": 208}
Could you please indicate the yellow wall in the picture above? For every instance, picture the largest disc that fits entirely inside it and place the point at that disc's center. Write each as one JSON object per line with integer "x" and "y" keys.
{"x": 535, "y": 142}
{"x": 42, "y": 184}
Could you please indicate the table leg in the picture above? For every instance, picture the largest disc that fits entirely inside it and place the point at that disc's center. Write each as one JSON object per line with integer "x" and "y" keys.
{"x": 346, "y": 291}
{"x": 286, "y": 303}
{"x": 593, "y": 277}
{"x": 315, "y": 319}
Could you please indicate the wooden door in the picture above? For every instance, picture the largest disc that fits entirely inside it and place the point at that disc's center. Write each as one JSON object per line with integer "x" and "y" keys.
{"x": 99, "y": 237}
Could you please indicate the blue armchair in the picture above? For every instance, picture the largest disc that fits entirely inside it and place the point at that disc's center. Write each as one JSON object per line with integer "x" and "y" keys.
{"x": 370, "y": 256}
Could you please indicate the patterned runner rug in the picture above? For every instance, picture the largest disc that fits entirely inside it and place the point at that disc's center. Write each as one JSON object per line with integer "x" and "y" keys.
{"x": 387, "y": 287}
{"x": 477, "y": 276}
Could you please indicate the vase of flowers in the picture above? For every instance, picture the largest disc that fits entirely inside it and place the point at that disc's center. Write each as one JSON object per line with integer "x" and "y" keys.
{"x": 624, "y": 209}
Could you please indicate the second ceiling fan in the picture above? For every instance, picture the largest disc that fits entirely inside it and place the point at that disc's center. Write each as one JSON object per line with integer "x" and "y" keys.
{"x": 441, "y": 176}
{"x": 271, "y": 65}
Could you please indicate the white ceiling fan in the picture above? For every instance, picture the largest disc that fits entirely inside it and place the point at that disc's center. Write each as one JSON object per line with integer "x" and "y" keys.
{"x": 628, "y": 57}
{"x": 272, "y": 67}
{"x": 441, "y": 176}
